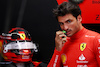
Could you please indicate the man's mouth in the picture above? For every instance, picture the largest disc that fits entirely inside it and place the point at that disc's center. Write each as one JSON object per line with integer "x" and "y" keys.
{"x": 68, "y": 32}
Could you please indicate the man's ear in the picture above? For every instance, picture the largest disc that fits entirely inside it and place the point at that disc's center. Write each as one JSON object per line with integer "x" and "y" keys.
{"x": 79, "y": 18}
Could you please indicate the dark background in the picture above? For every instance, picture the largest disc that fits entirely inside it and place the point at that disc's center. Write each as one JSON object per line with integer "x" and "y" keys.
{"x": 37, "y": 18}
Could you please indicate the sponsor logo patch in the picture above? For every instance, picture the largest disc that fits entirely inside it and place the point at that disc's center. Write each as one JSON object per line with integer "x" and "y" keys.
{"x": 82, "y": 59}
{"x": 63, "y": 58}
{"x": 82, "y": 46}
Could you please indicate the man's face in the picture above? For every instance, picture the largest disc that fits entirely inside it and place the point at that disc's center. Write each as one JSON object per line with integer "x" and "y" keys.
{"x": 70, "y": 24}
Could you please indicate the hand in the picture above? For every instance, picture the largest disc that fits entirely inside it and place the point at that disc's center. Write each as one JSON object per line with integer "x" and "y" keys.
{"x": 60, "y": 39}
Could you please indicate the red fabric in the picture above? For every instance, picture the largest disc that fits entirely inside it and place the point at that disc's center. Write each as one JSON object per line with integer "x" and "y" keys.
{"x": 80, "y": 50}
{"x": 90, "y": 11}
{"x": 55, "y": 61}
{"x": 35, "y": 63}
{"x": 61, "y": 1}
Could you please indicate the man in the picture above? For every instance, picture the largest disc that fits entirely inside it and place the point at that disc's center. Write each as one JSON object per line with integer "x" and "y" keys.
{"x": 79, "y": 47}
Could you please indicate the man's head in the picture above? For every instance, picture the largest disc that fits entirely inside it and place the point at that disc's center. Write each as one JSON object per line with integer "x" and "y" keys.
{"x": 69, "y": 17}
{"x": 67, "y": 8}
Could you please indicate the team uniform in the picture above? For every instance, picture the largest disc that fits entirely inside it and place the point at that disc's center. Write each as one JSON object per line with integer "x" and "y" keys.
{"x": 81, "y": 50}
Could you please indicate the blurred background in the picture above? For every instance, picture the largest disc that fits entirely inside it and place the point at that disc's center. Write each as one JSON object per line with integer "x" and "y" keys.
{"x": 37, "y": 18}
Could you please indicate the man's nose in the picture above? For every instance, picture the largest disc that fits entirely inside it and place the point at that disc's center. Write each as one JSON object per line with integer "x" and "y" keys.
{"x": 65, "y": 27}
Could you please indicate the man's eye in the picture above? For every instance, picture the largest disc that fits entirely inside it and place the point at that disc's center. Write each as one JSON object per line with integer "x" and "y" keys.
{"x": 68, "y": 21}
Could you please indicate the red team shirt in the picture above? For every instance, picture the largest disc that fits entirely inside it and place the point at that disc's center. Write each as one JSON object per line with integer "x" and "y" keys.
{"x": 81, "y": 50}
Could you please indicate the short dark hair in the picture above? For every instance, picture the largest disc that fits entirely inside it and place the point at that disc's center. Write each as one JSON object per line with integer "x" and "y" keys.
{"x": 67, "y": 8}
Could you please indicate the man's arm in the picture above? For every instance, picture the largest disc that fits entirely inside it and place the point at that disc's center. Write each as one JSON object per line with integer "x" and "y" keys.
{"x": 60, "y": 39}
{"x": 97, "y": 42}
{"x": 55, "y": 60}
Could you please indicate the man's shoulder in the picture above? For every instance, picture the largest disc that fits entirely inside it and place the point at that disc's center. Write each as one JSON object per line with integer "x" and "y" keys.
{"x": 93, "y": 33}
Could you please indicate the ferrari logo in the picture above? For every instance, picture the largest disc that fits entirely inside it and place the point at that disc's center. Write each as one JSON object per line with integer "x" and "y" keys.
{"x": 63, "y": 58}
{"x": 22, "y": 36}
{"x": 82, "y": 46}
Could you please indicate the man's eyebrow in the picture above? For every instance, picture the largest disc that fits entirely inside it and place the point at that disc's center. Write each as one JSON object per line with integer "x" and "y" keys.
{"x": 68, "y": 20}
